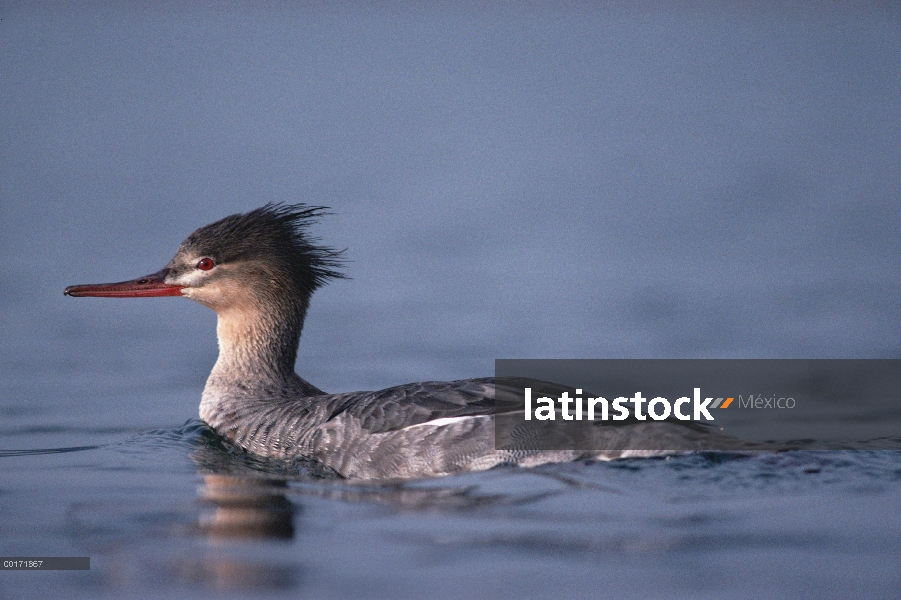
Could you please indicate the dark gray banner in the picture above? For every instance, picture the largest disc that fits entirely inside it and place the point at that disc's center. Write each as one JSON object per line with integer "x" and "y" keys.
{"x": 45, "y": 563}
{"x": 631, "y": 406}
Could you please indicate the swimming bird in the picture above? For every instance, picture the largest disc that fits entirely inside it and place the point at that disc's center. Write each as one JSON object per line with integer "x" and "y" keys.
{"x": 258, "y": 271}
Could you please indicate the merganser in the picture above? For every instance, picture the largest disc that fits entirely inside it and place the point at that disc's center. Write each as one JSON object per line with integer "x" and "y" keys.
{"x": 258, "y": 270}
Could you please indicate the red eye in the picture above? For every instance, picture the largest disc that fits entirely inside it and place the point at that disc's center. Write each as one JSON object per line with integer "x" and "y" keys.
{"x": 206, "y": 264}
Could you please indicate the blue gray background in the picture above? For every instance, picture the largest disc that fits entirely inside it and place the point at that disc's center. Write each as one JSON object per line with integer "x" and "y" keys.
{"x": 510, "y": 180}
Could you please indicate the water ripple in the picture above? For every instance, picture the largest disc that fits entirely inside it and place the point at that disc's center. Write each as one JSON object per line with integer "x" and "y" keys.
{"x": 36, "y": 451}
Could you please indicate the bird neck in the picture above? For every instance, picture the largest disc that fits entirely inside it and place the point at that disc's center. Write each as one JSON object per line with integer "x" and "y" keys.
{"x": 257, "y": 349}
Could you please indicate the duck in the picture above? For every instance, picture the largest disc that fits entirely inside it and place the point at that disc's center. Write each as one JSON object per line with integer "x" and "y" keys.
{"x": 258, "y": 271}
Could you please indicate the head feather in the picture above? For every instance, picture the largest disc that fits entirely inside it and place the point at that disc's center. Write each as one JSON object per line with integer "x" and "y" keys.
{"x": 277, "y": 236}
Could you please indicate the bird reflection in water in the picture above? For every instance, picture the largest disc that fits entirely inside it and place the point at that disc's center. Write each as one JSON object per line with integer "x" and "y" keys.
{"x": 245, "y": 516}
{"x": 244, "y": 507}
{"x": 235, "y": 510}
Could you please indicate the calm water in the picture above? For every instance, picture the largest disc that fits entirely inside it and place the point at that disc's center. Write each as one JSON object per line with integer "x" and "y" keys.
{"x": 170, "y": 512}
{"x": 585, "y": 180}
